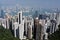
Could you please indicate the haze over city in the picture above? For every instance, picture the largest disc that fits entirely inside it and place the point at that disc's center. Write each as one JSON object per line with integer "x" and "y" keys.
{"x": 31, "y": 3}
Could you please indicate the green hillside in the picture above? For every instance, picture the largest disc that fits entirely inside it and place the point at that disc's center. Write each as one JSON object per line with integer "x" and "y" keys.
{"x": 6, "y": 34}
{"x": 56, "y": 35}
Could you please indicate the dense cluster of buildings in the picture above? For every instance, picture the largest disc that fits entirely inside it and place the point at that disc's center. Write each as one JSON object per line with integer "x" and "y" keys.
{"x": 27, "y": 27}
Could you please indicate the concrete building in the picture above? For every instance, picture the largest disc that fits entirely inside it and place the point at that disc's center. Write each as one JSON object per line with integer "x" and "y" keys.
{"x": 25, "y": 26}
{"x": 15, "y": 26}
{"x": 37, "y": 30}
{"x": 52, "y": 26}
{"x": 2, "y": 14}
{"x": 40, "y": 28}
{"x": 7, "y": 23}
{"x": 3, "y": 22}
{"x": 58, "y": 20}
{"x": 20, "y": 17}
{"x": 14, "y": 19}
{"x": 21, "y": 25}
{"x": 8, "y": 19}
{"x": 45, "y": 37}
{"x": 21, "y": 30}
{"x": 28, "y": 23}
{"x": 29, "y": 30}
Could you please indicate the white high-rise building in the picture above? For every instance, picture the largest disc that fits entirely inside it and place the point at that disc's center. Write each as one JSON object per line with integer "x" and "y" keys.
{"x": 14, "y": 19}
{"x": 20, "y": 17}
{"x": 3, "y": 22}
{"x": 46, "y": 36}
{"x": 15, "y": 26}
{"x": 28, "y": 23}
{"x": 58, "y": 20}
{"x": 30, "y": 30}
{"x": 45, "y": 33}
{"x": 7, "y": 23}
{"x": 25, "y": 25}
{"x": 52, "y": 26}
{"x": 21, "y": 25}
{"x": 21, "y": 30}
{"x": 8, "y": 19}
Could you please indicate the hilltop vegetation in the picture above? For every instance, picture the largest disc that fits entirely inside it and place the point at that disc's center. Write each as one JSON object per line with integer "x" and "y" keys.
{"x": 6, "y": 34}
{"x": 56, "y": 35}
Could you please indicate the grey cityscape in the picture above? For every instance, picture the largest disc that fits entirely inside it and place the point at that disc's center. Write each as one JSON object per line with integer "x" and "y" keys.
{"x": 29, "y": 20}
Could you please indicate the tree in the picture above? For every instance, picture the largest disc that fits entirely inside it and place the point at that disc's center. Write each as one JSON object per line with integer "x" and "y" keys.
{"x": 6, "y": 34}
{"x": 56, "y": 35}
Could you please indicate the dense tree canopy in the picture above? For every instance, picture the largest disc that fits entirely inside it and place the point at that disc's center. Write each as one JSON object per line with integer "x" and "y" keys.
{"x": 56, "y": 35}
{"x": 6, "y": 34}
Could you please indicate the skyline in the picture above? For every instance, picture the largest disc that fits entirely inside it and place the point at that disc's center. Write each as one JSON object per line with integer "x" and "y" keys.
{"x": 31, "y": 3}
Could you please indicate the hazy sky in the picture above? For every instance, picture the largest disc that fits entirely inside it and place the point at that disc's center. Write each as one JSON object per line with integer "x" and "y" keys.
{"x": 32, "y": 3}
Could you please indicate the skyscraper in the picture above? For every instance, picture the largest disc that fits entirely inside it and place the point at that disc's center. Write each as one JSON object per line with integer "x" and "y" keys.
{"x": 37, "y": 29}
{"x": 21, "y": 25}
{"x": 15, "y": 26}
{"x": 2, "y": 14}
{"x": 52, "y": 26}
{"x": 21, "y": 30}
{"x": 29, "y": 30}
{"x": 20, "y": 17}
